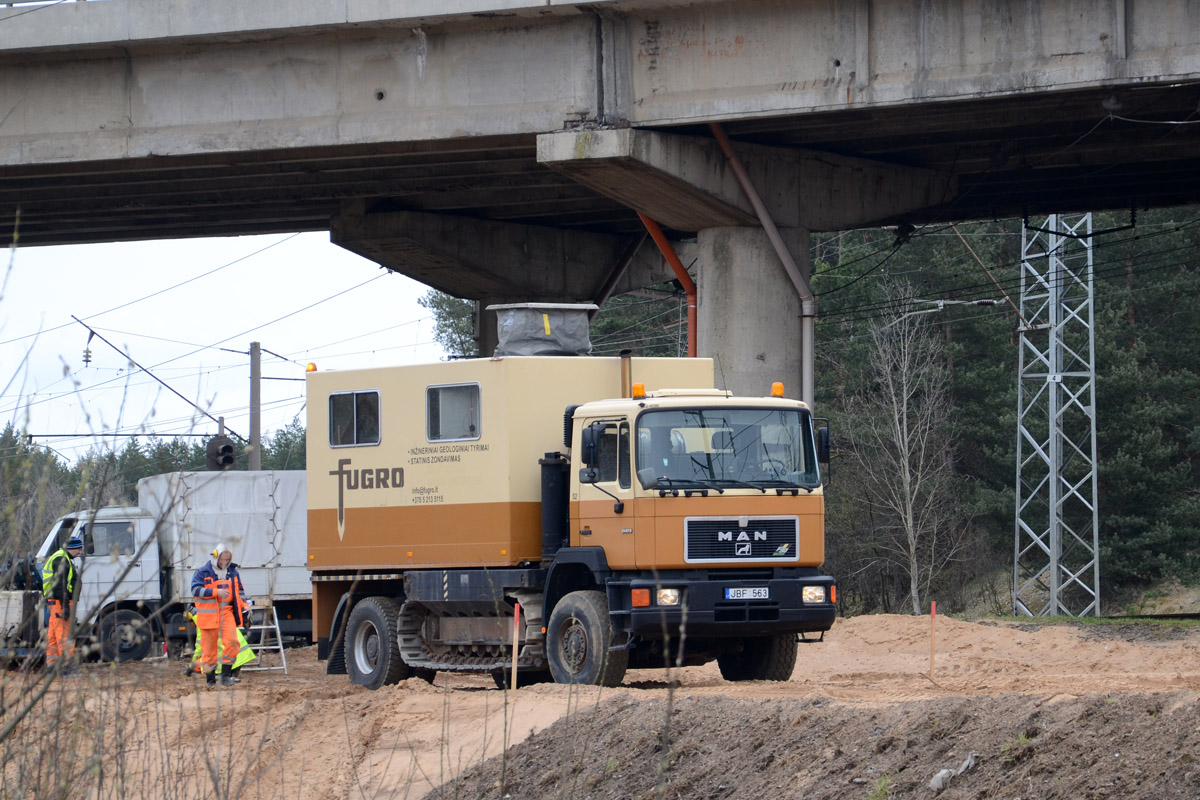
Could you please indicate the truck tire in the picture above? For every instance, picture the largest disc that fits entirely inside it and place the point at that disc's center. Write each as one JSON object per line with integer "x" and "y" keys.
{"x": 373, "y": 645}
{"x": 124, "y": 636}
{"x": 764, "y": 658}
{"x": 577, "y": 642}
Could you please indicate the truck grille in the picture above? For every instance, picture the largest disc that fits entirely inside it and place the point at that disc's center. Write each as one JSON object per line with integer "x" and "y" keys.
{"x": 770, "y": 540}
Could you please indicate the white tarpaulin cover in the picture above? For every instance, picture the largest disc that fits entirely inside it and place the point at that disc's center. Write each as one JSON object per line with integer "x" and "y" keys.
{"x": 261, "y": 516}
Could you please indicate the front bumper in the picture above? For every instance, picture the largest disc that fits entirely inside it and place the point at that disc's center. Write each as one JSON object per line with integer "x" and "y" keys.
{"x": 709, "y": 614}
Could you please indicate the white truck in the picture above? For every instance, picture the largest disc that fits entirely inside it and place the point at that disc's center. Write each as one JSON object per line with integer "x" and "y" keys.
{"x": 137, "y": 565}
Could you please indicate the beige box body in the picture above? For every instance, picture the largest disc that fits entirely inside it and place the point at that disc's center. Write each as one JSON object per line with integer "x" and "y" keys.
{"x": 408, "y": 501}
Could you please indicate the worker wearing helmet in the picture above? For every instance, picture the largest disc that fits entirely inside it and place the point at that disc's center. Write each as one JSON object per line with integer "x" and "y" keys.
{"x": 58, "y": 587}
{"x": 220, "y": 610}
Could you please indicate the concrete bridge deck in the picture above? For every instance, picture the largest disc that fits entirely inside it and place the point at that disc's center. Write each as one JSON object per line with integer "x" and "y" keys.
{"x": 125, "y": 119}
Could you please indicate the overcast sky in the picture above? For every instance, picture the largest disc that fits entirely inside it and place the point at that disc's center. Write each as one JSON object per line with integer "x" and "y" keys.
{"x": 172, "y": 306}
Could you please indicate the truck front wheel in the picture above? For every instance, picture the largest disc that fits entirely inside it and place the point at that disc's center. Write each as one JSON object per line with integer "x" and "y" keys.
{"x": 124, "y": 636}
{"x": 762, "y": 658}
{"x": 373, "y": 644}
{"x": 577, "y": 642}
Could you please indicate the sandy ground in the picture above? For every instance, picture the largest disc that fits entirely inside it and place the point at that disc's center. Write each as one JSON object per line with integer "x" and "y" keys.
{"x": 146, "y": 730}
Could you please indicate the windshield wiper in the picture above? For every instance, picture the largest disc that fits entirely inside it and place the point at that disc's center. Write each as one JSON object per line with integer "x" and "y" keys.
{"x": 666, "y": 485}
{"x": 781, "y": 485}
{"x": 742, "y": 484}
{"x": 663, "y": 483}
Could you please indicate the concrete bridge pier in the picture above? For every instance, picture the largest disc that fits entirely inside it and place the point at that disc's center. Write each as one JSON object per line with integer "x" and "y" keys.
{"x": 749, "y": 308}
{"x": 749, "y": 313}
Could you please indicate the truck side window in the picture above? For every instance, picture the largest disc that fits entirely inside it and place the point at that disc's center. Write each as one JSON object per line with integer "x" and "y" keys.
{"x": 452, "y": 412}
{"x": 108, "y": 539}
{"x": 353, "y": 418}
{"x": 612, "y": 455}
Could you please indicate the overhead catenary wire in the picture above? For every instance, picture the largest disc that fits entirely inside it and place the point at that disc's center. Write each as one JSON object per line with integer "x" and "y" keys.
{"x": 90, "y": 439}
{"x": 899, "y": 304}
{"x": 969, "y": 317}
{"x": 156, "y": 293}
{"x": 152, "y": 375}
{"x": 1014, "y": 282}
{"x": 222, "y": 341}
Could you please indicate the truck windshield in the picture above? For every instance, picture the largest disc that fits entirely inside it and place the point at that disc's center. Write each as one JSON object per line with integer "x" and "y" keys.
{"x": 729, "y": 446}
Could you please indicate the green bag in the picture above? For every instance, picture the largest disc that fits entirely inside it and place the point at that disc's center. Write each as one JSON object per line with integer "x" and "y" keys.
{"x": 244, "y": 656}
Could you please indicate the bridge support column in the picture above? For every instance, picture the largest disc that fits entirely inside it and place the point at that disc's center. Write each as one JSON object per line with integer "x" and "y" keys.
{"x": 749, "y": 315}
{"x": 487, "y": 337}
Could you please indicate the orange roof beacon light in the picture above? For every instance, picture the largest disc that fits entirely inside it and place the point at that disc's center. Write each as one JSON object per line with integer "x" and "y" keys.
{"x": 311, "y": 367}
{"x": 639, "y": 391}
{"x": 777, "y": 389}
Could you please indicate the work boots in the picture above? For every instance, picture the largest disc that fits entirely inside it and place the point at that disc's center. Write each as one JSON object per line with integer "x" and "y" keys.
{"x": 236, "y": 677}
{"x": 226, "y": 679}
{"x": 210, "y": 677}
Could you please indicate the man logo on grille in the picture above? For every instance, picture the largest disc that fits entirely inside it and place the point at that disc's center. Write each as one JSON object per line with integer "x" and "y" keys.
{"x": 742, "y": 536}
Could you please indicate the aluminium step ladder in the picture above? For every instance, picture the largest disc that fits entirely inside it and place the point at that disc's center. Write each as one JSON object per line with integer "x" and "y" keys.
{"x": 269, "y": 639}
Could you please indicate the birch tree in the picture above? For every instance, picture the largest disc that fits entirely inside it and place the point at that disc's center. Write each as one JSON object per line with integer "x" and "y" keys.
{"x": 903, "y": 447}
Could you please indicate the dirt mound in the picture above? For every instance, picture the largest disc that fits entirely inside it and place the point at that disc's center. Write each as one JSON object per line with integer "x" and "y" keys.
{"x": 1012, "y": 710}
{"x": 1130, "y": 746}
{"x": 1054, "y": 711}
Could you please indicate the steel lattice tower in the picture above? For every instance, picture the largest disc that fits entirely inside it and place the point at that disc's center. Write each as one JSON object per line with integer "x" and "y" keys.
{"x": 1056, "y": 568}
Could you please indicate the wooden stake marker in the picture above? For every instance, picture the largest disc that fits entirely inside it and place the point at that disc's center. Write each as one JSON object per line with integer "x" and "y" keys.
{"x": 932, "y": 634}
{"x": 516, "y": 639}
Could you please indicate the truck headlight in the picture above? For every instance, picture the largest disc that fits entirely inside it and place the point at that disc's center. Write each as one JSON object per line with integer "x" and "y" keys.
{"x": 668, "y": 597}
{"x": 813, "y": 594}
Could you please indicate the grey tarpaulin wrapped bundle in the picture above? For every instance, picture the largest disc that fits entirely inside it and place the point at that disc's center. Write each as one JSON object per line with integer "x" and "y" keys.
{"x": 543, "y": 329}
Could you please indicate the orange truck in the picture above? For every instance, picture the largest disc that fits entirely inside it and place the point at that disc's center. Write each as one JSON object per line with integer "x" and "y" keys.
{"x": 579, "y": 510}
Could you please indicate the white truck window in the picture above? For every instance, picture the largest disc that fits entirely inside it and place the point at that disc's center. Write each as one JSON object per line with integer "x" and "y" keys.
{"x": 353, "y": 419}
{"x": 108, "y": 539}
{"x": 452, "y": 412}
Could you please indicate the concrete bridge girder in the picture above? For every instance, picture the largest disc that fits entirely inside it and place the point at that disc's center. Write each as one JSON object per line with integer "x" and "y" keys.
{"x": 496, "y": 261}
{"x": 685, "y": 183}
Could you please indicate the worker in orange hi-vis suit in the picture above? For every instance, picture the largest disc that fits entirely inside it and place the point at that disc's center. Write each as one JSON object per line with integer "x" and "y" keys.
{"x": 220, "y": 608}
{"x": 58, "y": 587}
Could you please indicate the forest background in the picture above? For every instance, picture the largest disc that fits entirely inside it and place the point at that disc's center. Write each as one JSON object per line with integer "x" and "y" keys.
{"x": 911, "y": 389}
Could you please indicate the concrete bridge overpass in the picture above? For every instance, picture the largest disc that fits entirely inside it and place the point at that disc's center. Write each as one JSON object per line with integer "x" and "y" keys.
{"x": 500, "y": 149}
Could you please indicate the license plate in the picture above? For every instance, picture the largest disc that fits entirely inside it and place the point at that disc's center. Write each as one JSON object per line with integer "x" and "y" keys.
{"x": 748, "y": 593}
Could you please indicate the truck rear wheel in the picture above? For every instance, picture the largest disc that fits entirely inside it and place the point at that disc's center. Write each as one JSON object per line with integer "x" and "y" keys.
{"x": 124, "y": 636}
{"x": 373, "y": 644}
{"x": 577, "y": 642}
{"x": 764, "y": 658}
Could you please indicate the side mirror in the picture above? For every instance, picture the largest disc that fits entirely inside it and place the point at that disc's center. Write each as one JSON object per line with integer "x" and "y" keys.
{"x": 648, "y": 478}
{"x": 823, "y": 449}
{"x": 589, "y": 475}
{"x": 587, "y": 444}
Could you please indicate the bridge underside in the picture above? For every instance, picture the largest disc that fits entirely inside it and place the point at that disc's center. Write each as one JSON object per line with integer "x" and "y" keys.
{"x": 1023, "y": 154}
{"x": 500, "y": 150}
